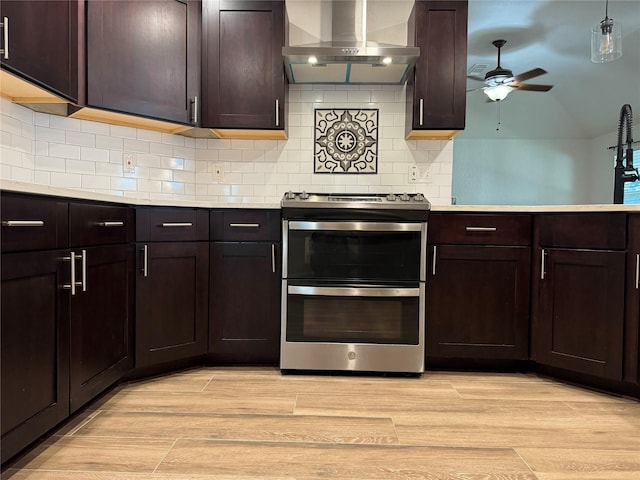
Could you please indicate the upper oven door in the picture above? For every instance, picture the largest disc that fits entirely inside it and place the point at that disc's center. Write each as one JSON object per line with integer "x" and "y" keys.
{"x": 372, "y": 252}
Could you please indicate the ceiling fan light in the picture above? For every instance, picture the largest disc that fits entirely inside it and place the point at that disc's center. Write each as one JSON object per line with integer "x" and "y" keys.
{"x": 498, "y": 92}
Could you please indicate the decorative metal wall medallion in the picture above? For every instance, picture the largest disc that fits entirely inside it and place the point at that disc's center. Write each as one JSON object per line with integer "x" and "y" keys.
{"x": 346, "y": 140}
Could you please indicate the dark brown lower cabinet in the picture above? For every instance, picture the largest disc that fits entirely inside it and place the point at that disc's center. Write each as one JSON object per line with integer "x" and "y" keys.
{"x": 244, "y": 325}
{"x": 172, "y": 282}
{"x": 34, "y": 355}
{"x": 578, "y": 324}
{"x": 478, "y": 302}
{"x": 100, "y": 316}
{"x": 631, "y": 367}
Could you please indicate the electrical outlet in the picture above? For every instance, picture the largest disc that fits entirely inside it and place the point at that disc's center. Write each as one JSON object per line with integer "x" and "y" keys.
{"x": 414, "y": 174}
{"x": 218, "y": 172}
{"x": 129, "y": 162}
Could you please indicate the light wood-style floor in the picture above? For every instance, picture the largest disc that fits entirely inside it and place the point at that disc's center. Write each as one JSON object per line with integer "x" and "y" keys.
{"x": 254, "y": 424}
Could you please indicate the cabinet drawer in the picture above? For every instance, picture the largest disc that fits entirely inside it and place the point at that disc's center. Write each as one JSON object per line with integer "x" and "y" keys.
{"x": 583, "y": 230}
{"x": 172, "y": 225}
{"x": 479, "y": 229}
{"x": 32, "y": 223}
{"x": 99, "y": 224}
{"x": 245, "y": 225}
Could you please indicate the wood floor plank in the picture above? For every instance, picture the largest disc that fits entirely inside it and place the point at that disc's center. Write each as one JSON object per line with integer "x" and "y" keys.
{"x": 577, "y": 459}
{"x": 343, "y": 461}
{"x": 106, "y": 475}
{"x": 282, "y": 428}
{"x": 89, "y": 454}
{"x": 210, "y": 402}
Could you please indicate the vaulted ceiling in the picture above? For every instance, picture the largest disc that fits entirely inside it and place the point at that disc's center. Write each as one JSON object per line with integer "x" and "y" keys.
{"x": 554, "y": 35}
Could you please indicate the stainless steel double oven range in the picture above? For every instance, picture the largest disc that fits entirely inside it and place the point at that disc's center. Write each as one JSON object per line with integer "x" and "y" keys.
{"x": 353, "y": 282}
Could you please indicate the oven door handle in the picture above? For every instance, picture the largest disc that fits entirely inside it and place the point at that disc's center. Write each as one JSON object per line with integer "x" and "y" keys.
{"x": 356, "y": 226}
{"x": 354, "y": 291}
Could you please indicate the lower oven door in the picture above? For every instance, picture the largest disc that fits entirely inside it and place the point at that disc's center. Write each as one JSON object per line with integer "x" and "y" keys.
{"x": 362, "y": 327}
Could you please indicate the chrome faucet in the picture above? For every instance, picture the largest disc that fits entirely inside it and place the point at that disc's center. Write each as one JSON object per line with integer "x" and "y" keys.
{"x": 624, "y": 172}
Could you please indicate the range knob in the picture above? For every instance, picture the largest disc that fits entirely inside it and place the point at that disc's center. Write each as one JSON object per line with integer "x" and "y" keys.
{"x": 290, "y": 195}
{"x": 418, "y": 197}
{"x": 304, "y": 195}
{"x": 405, "y": 197}
{"x": 391, "y": 197}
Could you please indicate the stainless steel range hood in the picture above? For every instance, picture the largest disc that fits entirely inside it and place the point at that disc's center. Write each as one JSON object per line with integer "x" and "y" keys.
{"x": 349, "y": 58}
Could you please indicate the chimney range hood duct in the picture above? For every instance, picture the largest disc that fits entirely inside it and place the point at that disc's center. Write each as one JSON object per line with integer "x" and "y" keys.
{"x": 348, "y": 58}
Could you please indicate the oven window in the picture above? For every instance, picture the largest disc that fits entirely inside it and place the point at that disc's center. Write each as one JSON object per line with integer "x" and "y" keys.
{"x": 383, "y": 320}
{"x": 340, "y": 255}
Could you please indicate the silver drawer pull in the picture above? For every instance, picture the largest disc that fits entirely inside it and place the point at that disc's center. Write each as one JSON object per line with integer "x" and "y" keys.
{"x": 637, "y": 270}
{"x": 23, "y": 223}
{"x": 480, "y": 229}
{"x": 244, "y": 225}
{"x": 111, "y": 224}
{"x": 177, "y": 224}
{"x": 5, "y": 51}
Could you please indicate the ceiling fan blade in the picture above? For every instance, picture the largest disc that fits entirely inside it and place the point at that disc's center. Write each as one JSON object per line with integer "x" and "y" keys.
{"x": 532, "y": 87}
{"x": 530, "y": 74}
{"x": 473, "y": 77}
{"x": 474, "y": 89}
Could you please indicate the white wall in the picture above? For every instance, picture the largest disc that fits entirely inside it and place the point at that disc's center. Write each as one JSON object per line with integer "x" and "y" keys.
{"x": 534, "y": 171}
{"x": 65, "y": 152}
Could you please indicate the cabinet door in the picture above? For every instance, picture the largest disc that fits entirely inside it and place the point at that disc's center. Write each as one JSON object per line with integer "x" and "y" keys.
{"x": 100, "y": 321}
{"x": 172, "y": 284}
{"x": 478, "y": 302}
{"x": 143, "y": 57}
{"x": 437, "y": 94}
{"x": 580, "y": 314}
{"x": 34, "y": 354}
{"x": 244, "y": 324}
{"x": 44, "y": 41}
{"x": 631, "y": 368}
{"x": 243, "y": 83}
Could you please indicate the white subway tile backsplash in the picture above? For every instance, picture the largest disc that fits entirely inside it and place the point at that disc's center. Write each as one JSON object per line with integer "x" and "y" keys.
{"x": 124, "y": 183}
{"x": 72, "y": 153}
{"x": 80, "y": 138}
{"x": 50, "y": 164}
{"x": 66, "y": 180}
{"x": 80, "y": 166}
{"x": 94, "y": 154}
{"x": 64, "y": 151}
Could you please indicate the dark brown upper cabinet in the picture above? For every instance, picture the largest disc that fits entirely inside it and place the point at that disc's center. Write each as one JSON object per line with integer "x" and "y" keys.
{"x": 143, "y": 58}
{"x": 44, "y": 43}
{"x": 436, "y": 93}
{"x": 244, "y": 86}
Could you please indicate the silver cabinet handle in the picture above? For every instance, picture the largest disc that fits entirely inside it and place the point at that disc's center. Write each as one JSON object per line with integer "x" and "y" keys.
{"x": 421, "y": 111}
{"x": 356, "y": 226}
{"x": 277, "y": 113}
{"x": 542, "y": 266}
{"x": 84, "y": 270}
{"x": 72, "y": 285}
{"x": 23, "y": 223}
{"x": 273, "y": 259}
{"x": 480, "y": 229}
{"x": 5, "y": 51}
{"x": 111, "y": 224}
{"x": 195, "y": 109}
{"x": 244, "y": 225}
{"x": 433, "y": 261}
{"x": 355, "y": 291}
{"x": 145, "y": 265}
{"x": 177, "y": 224}
{"x": 637, "y": 270}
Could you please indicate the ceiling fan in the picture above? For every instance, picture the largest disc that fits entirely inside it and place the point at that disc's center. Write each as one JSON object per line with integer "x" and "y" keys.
{"x": 499, "y": 82}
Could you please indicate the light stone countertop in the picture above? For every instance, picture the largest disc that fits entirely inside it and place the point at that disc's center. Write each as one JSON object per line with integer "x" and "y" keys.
{"x": 22, "y": 187}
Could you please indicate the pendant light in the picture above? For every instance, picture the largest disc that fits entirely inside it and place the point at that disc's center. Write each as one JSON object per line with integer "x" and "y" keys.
{"x": 606, "y": 39}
